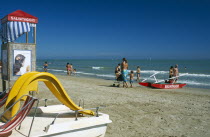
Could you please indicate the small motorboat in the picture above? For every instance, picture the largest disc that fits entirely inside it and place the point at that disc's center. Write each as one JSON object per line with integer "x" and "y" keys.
{"x": 164, "y": 84}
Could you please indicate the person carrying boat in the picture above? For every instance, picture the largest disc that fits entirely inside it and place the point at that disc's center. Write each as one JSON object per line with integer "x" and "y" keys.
{"x": 176, "y": 73}
{"x": 124, "y": 71}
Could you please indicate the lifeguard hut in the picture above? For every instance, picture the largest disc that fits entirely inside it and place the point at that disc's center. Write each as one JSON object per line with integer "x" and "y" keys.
{"x": 17, "y": 57}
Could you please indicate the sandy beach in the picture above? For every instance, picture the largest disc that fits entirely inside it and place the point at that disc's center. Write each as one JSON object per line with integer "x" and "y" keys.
{"x": 140, "y": 111}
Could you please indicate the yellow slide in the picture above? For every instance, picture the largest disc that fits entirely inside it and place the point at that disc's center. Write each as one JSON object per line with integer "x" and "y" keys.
{"x": 29, "y": 82}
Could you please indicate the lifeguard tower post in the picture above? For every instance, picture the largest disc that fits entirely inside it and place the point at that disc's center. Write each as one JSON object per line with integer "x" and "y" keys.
{"x": 17, "y": 58}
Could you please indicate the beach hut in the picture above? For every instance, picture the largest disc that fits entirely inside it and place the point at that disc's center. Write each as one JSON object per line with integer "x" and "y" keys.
{"x": 16, "y": 24}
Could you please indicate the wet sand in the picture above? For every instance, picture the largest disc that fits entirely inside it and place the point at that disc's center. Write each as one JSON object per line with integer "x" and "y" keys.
{"x": 141, "y": 111}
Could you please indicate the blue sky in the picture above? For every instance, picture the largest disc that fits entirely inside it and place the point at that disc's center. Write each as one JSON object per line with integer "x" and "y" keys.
{"x": 174, "y": 29}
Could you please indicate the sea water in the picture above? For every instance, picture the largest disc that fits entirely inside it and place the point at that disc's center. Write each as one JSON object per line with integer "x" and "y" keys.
{"x": 196, "y": 73}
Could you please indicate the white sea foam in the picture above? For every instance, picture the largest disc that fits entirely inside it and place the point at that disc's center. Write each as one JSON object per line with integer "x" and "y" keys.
{"x": 190, "y": 82}
{"x": 166, "y": 72}
{"x": 198, "y": 75}
{"x": 56, "y": 70}
{"x": 153, "y": 71}
{"x": 97, "y": 68}
{"x": 103, "y": 75}
{"x": 92, "y": 74}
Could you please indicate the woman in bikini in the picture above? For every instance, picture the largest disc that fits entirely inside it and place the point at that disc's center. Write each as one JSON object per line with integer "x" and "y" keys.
{"x": 68, "y": 69}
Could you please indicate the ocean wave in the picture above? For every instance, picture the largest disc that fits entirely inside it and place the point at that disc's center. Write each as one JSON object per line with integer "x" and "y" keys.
{"x": 166, "y": 72}
{"x": 57, "y": 70}
{"x": 84, "y": 73}
{"x": 104, "y": 75}
{"x": 154, "y": 71}
{"x": 97, "y": 68}
{"x": 199, "y": 75}
{"x": 193, "y": 82}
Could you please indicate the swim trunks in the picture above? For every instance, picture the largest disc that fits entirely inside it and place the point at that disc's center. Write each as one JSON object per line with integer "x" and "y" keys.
{"x": 124, "y": 74}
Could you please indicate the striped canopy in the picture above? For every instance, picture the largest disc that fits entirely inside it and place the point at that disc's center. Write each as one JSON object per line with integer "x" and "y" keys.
{"x": 11, "y": 30}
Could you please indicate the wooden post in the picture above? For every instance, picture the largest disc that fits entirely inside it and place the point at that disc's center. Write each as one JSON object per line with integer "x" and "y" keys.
{"x": 4, "y": 85}
{"x": 35, "y": 35}
{"x": 26, "y": 37}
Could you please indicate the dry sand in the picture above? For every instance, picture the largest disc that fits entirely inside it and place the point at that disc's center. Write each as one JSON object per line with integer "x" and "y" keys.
{"x": 141, "y": 111}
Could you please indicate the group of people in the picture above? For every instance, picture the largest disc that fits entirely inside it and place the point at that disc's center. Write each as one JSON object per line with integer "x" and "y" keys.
{"x": 121, "y": 73}
{"x": 69, "y": 68}
{"x": 173, "y": 74}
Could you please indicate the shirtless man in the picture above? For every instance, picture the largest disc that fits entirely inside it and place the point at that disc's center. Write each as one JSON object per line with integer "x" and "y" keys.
{"x": 171, "y": 72}
{"x": 45, "y": 66}
{"x": 176, "y": 73}
{"x": 138, "y": 73}
{"x": 124, "y": 70}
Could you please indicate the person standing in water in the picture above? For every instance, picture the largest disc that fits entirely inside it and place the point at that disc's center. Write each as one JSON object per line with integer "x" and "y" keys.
{"x": 68, "y": 69}
{"x": 124, "y": 70}
{"x": 176, "y": 73}
{"x": 171, "y": 72}
{"x": 45, "y": 66}
{"x": 138, "y": 71}
{"x": 72, "y": 69}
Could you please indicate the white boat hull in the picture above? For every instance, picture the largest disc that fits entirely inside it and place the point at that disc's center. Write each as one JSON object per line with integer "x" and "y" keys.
{"x": 65, "y": 124}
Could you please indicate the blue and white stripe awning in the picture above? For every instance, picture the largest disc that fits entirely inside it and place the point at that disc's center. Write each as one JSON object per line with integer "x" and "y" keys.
{"x": 11, "y": 30}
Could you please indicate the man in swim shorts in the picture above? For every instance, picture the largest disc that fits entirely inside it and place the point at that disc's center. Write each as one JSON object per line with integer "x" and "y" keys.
{"x": 124, "y": 69}
{"x": 175, "y": 73}
{"x": 45, "y": 66}
{"x": 138, "y": 73}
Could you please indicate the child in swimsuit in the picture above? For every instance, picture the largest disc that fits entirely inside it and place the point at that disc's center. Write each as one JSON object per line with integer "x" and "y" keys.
{"x": 131, "y": 78}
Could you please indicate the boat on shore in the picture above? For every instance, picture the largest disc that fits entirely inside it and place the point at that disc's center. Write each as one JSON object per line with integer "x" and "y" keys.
{"x": 163, "y": 84}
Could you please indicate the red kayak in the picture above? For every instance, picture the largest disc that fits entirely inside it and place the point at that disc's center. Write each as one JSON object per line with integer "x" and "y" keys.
{"x": 163, "y": 85}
